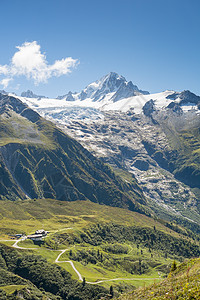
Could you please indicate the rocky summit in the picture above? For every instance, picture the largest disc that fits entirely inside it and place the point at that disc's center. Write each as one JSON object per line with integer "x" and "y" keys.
{"x": 112, "y": 86}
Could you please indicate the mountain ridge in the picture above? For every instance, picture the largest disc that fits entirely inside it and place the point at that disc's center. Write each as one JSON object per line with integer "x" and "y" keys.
{"x": 110, "y": 83}
{"x": 111, "y": 93}
{"x": 112, "y": 88}
{"x": 30, "y": 94}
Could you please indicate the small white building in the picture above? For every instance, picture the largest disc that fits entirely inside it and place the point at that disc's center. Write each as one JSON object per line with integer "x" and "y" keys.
{"x": 35, "y": 237}
{"x": 38, "y": 236}
{"x": 41, "y": 231}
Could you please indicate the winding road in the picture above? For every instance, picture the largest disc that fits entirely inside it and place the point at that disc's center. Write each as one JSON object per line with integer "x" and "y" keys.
{"x": 15, "y": 245}
{"x": 70, "y": 262}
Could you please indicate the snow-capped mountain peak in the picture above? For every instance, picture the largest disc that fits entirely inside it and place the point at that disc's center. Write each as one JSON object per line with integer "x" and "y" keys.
{"x": 109, "y": 82}
{"x": 111, "y": 86}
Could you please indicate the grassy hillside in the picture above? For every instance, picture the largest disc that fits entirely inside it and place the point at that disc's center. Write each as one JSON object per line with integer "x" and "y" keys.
{"x": 182, "y": 283}
{"x": 34, "y": 278}
{"x": 26, "y": 216}
{"x": 105, "y": 243}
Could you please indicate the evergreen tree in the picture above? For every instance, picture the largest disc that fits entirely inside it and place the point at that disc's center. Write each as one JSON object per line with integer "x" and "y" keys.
{"x": 111, "y": 291}
{"x": 174, "y": 266}
{"x": 83, "y": 282}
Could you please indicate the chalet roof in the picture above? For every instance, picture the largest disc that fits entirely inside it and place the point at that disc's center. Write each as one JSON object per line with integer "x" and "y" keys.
{"x": 34, "y": 236}
{"x": 40, "y": 231}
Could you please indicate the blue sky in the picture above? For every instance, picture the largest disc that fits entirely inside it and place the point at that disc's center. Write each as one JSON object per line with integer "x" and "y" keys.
{"x": 154, "y": 43}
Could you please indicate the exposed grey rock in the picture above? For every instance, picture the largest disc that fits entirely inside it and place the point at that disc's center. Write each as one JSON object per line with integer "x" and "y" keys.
{"x": 83, "y": 95}
{"x": 175, "y": 107}
{"x": 173, "y": 96}
{"x": 67, "y": 97}
{"x": 139, "y": 147}
{"x": 70, "y": 97}
{"x": 185, "y": 97}
{"x": 3, "y": 92}
{"x": 149, "y": 108}
{"x": 141, "y": 165}
{"x": 188, "y": 97}
{"x": 30, "y": 94}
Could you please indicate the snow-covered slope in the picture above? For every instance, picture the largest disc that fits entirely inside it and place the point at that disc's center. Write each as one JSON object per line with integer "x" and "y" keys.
{"x": 111, "y": 93}
{"x": 63, "y": 111}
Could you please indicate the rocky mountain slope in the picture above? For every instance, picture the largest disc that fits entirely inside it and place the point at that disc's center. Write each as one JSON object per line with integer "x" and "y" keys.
{"x": 164, "y": 169}
{"x": 37, "y": 160}
{"x": 154, "y": 136}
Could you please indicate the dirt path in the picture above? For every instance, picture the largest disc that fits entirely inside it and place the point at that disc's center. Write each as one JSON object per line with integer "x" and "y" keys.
{"x": 15, "y": 245}
{"x": 115, "y": 279}
{"x": 96, "y": 282}
{"x": 70, "y": 262}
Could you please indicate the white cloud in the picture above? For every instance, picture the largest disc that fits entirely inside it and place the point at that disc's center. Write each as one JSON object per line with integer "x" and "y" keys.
{"x": 63, "y": 66}
{"x": 31, "y": 63}
{"x": 4, "y": 69}
{"x": 5, "y": 82}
